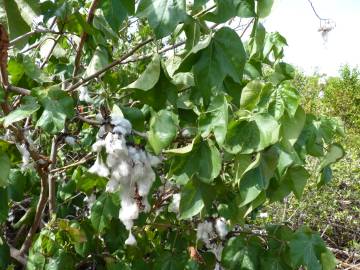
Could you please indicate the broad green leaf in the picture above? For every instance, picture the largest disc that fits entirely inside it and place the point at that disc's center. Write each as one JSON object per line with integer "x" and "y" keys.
{"x": 307, "y": 249}
{"x": 99, "y": 60}
{"x": 17, "y": 27}
{"x": 28, "y": 10}
{"x": 191, "y": 202}
{"x": 334, "y": 153}
{"x": 29, "y": 106}
{"x": 250, "y": 95}
{"x": 215, "y": 119}
{"x": 4, "y": 169}
{"x": 149, "y": 77}
{"x": 116, "y": 11}
{"x": 225, "y": 56}
{"x": 5, "y": 258}
{"x": 242, "y": 253}
{"x": 264, "y": 7}
{"x": 61, "y": 261}
{"x": 257, "y": 180}
{"x": 183, "y": 150}
{"x": 285, "y": 97}
{"x": 298, "y": 177}
{"x": 325, "y": 176}
{"x": 243, "y": 164}
{"x": 214, "y": 60}
{"x": 204, "y": 161}
{"x": 247, "y": 137}
{"x": 58, "y": 106}
{"x": 4, "y": 207}
{"x": 283, "y": 72}
{"x": 163, "y": 15}
{"x": 17, "y": 185}
{"x": 104, "y": 210}
{"x": 291, "y": 127}
{"x": 227, "y": 9}
{"x": 163, "y": 129}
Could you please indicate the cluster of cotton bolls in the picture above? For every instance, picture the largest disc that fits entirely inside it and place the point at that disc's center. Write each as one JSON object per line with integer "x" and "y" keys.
{"x": 205, "y": 231}
{"x": 129, "y": 168}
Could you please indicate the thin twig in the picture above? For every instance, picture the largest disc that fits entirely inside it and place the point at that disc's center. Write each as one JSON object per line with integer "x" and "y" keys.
{"x": 50, "y": 52}
{"x": 316, "y": 14}
{"x": 28, "y": 34}
{"x": 247, "y": 27}
{"x": 79, "y": 162}
{"x": 109, "y": 66}
{"x": 83, "y": 38}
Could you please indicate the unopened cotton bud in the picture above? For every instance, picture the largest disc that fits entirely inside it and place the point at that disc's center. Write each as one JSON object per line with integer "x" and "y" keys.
{"x": 70, "y": 140}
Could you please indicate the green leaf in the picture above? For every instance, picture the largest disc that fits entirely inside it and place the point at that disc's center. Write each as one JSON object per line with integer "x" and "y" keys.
{"x": 247, "y": 137}
{"x": 284, "y": 97}
{"x": 163, "y": 15}
{"x": 17, "y": 185}
{"x": 250, "y": 95}
{"x": 308, "y": 249}
{"x": 58, "y": 106}
{"x": 264, "y": 7}
{"x": 298, "y": 177}
{"x": 214, "y": 60}
{"x": 241, "y": 253}
{"x": 163, "y": 128}
{"x": 227, "y": 9}
{"x": 215, "y": 119}
{"x": 204, "y": 161}
{"x": 5, "y": 258}
{"x": 257, "y": 180}
{"x": 29, "y": 106}
{"x": 61, "y": 261}
{"x": 291, "y": 127}
{"x": 4, "y": 169}
{"x": 225, "y": 56}
{"x": 4, "y": 207}
{"x": 99, "y": 60}
{"x": 17, "y": 27}
{"x": 104, "y": 209}
{"x": 116, "y": 11}
{"x": 191, "y": 202}
{"x": 149, "y": 77}
{"x": 334, "y": 154}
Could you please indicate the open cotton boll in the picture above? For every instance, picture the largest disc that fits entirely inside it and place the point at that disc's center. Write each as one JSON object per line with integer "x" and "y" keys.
{"x": 115, "y": 143}
{"x": 130, "y": 241}
{"x": 84, "y": 95}
{"x": 98, "y": 145}
{"x": 154, "y": 161}
{"x": 99, "y": 167}
{"x": 128, "y": 212}
{"x": 120, "y": 121}
{"x": 144, "y": 187}
{"x": 112, "y": 186}
{"x": 25, "y": 155}
{"x": 204, "y": 230}
{"x": 221, "y": 227}
{"x": 90, "y": 200}
{"x": 70, "y": 140}
{"x": 174, "y": 206}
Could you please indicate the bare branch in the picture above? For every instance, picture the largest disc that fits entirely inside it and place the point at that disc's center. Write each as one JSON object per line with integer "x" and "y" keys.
{"x": 51, "y": 178}
{"x": 18, "y": 90}
{"x": 15, "y": 254}
{"x": 84, "y": 37}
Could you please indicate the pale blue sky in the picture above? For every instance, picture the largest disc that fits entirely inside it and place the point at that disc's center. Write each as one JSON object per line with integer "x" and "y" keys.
{"x": 296, "y": 21}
